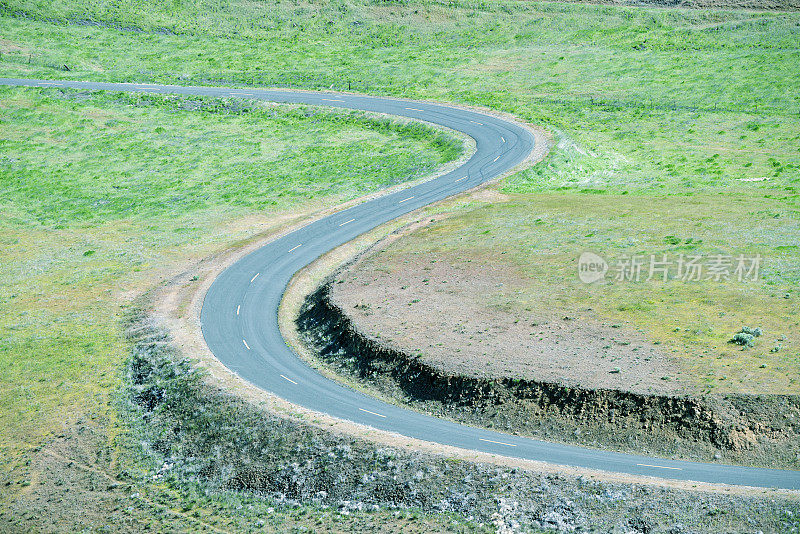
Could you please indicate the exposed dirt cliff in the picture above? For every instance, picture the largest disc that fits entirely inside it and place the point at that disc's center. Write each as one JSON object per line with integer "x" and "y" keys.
{"x": 758, "y": 430}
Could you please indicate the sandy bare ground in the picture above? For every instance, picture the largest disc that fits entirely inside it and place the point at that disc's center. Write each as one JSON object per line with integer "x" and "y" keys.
{"x": 440, "y": 310}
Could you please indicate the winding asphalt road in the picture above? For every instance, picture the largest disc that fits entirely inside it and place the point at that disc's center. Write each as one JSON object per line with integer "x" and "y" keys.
{"x": 240, "y": 320}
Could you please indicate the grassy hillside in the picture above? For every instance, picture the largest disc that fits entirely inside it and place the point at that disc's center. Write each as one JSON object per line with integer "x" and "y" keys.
{"x": 651, "y": 98}
{"x": 105, "y": 195}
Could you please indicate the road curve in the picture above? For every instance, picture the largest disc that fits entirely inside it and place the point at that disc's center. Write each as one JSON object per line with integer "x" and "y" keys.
{"x": 240, "y": 320}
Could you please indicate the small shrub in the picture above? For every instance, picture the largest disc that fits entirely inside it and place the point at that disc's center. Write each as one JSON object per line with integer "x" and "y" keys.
{"x": 755, "y": 332}
{"x": 746, "y": 336}
{"x": 743, "y": 338}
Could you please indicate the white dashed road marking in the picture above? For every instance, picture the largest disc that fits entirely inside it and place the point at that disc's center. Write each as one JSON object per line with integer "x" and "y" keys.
{"x": 405, "y": 200}
{"x": 238, "y": 308}
{"x": 415, "y": 109}
{"x": 295, "y": 248}
{"x": 347, "y": 222}
{"x": 245, "y": 344}
{"x": 289, "y": 379}
{"x": 495, "y": 159}
{"x": 660, "y": 467}
{"x": 462, "y": 178}
{"x": 498, "y": 442}
{"x": 331, "y": 100}
{"x": 254, "y": 278}
{"x": 476, "y": 122}
{"x": 373, "y": 413}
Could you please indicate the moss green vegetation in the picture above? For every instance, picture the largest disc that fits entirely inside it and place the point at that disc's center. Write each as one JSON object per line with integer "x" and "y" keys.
{"x": 143, "y": 156}
{"x": 105, "y": 194}
{"x": 651, "y": 98}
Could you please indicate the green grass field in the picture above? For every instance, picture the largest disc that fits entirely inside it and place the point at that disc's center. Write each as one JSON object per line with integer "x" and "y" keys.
{"x": 104, "y": 195}
{"x": 652, "y": 99}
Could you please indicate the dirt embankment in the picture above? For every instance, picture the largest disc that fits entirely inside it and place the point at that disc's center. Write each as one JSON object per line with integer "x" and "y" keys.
{"x": 735, "y": 428}
{"x": 188, "y": 435}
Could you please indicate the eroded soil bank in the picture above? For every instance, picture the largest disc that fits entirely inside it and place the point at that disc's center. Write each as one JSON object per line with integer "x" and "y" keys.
{"x": 192, "y": 437}
{"x": 749, "y": 429}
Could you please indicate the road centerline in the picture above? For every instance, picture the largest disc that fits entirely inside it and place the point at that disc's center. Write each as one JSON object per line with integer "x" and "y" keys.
{"x": 373, "y": 413}
{"x": 497, "y": 442}
{"x": 660, "y": 467}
